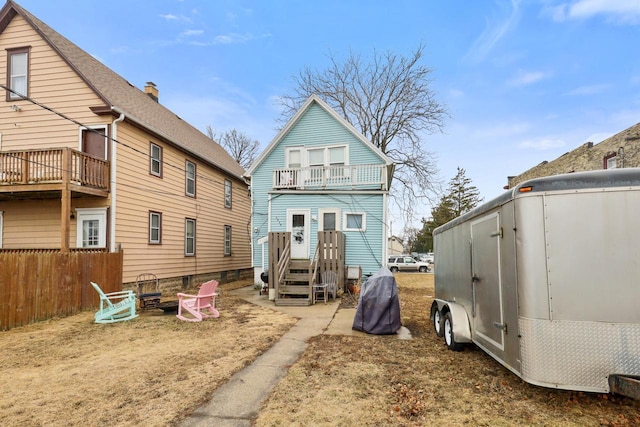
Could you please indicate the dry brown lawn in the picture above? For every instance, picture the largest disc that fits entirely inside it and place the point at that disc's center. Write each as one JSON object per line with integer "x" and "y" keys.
{"x": 151, "y": 371}
{"x": 155, "y": 370}
{"x": 383, "y": 381}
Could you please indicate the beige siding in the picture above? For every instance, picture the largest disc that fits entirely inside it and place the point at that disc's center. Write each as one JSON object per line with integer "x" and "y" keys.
{"x": 52, "y": 83}
{"x": 138, "y": 192}
{"x": 36, "y": 224}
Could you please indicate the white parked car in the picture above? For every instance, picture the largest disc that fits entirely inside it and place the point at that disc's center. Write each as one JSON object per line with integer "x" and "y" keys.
{"x": 406, "y": 263}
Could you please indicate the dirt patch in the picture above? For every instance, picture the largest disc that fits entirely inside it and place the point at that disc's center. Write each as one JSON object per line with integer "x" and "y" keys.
{"x": 380, "y": 380}
{"x": 153, "y": 370}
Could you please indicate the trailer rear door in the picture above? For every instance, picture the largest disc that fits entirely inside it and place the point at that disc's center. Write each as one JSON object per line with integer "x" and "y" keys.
{"x": 488, "y": 324}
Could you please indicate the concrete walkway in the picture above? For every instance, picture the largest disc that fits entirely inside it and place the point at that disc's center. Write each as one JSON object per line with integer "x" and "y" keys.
{"x": 236, "y": 403}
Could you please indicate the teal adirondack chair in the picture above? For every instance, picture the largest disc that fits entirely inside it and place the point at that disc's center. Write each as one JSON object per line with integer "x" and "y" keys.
{"x": 115, "y": 306}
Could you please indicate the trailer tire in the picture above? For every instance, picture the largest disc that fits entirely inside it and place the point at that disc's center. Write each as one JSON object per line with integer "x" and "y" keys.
{"x": 449, "y": 338}
{"x": 437, "y": 320}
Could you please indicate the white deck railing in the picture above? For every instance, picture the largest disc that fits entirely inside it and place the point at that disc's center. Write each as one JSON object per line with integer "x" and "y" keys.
{"x": 322, "y": 177}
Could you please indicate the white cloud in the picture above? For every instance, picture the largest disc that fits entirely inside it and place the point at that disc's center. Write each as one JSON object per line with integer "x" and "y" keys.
{"x": 231, "y": 38}
{"x": 525, "y": 78}
{"x": 542, "y": 144}
{"x": 589, "y": 89}
{"x": 189, "y": 33}
{"x": 494, "y": 31}
{"x": 615, "y": 11}
{"x": 172, "y": 17}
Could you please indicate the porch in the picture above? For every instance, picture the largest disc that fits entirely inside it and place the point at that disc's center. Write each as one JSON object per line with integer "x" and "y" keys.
{"x": 38, "y": 171}
{"x": 338, "y": 177}
{"x": 293, "y": 279}
{"x": 57, "y": 173}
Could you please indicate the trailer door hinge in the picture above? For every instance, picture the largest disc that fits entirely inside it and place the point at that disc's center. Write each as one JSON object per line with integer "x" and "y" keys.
{"x": 501, "y": 326}
{"x": 499, "y": 233}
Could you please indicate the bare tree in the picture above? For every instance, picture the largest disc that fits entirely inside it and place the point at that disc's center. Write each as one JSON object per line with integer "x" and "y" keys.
{"x": 390, "y": 101}
{"x": 239, "y": 145}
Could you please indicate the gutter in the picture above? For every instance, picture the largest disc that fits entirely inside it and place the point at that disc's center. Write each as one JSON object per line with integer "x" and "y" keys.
{"x": 114, "y": 187}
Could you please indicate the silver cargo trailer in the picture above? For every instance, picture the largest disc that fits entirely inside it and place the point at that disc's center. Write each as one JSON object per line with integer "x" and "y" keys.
{"x": 546, "y": 279}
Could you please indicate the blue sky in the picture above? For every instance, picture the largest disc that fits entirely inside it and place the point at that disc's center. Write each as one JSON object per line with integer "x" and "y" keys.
{"x": 524, "y": 80}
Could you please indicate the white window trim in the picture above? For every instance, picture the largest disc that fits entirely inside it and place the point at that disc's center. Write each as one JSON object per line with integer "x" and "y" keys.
{"x": 152, "y": 159}
{"x": 12, "y": 95}
{"x": 228, "y": 197}
{"x": 227, "y": 227}
{"x": 159, "y": 215}
{"x": 187, "y": 179}
{"x": 294, "y": 148}
{"x": 1, "y": 227}
{"x": 325, "y": 154}
{"x": 195, "y": 234}
{"x": 87, "y": 214}
{"x": 364, "y": 221}
{"x": 323, "y": 211}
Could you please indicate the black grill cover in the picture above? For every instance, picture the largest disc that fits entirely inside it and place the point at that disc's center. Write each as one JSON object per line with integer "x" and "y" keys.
{"x": 378, "y": 307}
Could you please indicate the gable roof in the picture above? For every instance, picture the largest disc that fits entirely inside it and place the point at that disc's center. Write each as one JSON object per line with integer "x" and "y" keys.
{"x": 315, "y": 99}
{"x": 120, "y": 96}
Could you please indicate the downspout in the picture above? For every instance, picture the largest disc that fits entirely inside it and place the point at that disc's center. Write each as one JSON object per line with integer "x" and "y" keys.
{"x": 114, "y": 188}
{"x": 385, "y": 218}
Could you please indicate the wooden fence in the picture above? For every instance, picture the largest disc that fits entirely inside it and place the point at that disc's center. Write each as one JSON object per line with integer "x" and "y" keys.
{"x": 40, "y": 286}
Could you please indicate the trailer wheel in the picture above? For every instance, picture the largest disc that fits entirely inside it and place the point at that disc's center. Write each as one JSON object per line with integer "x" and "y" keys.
{"x": 448, "y": 334}
{"x": 437, "y": 320}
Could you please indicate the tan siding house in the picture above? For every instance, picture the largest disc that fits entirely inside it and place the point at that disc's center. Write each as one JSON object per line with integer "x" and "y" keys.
{"x": 87, "y": 160}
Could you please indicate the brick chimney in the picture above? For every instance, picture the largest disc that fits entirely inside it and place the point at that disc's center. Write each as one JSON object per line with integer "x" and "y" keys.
{"x": 151, "y": 90}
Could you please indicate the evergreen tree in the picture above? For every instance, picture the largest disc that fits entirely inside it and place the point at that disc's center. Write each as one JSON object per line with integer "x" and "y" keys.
{"x": 460, "y": 198}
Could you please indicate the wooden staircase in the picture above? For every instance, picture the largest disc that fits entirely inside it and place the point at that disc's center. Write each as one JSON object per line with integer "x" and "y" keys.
{"x": 295, "y": 289}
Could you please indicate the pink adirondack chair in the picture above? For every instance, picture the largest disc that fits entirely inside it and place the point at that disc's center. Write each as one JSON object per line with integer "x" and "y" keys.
{"x": 200, "y": 306}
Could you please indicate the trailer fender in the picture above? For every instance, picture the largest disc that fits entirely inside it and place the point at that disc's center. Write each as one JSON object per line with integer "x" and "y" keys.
{"x": 459, "y": 318}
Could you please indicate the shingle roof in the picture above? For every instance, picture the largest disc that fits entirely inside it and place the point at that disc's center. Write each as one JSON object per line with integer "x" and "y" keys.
{"x": 119, "y": 93}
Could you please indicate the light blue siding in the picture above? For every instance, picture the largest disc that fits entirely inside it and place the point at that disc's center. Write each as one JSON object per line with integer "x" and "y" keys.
{"x": 316, "y": 127}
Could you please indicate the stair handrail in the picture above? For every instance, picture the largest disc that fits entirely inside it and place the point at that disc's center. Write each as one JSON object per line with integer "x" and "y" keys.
{"x": 283, "y": 263}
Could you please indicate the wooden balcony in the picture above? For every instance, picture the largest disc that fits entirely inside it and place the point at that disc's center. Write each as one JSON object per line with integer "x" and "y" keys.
{"x": 44, "y": 173}
{"x": 332, "y": 177}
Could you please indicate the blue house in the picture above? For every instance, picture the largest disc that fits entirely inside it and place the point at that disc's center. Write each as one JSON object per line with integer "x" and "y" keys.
{"x": 319, "y": 196}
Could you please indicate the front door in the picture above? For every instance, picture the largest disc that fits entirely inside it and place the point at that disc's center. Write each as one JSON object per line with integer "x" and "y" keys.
{"x": 487, "y": 313}
{"x": 298, "y": 225}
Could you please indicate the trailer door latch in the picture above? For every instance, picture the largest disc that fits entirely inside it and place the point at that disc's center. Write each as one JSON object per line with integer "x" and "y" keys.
{"x": 501, "y": 326}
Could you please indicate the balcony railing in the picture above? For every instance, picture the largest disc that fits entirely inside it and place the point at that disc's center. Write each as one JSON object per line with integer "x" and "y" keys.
{"x": 327, "y": 177}
{"x": 58, "y": 165}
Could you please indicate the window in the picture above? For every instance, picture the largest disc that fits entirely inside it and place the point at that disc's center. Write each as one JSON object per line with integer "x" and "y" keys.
{"x": 190, "y": 178}
{"x": 227, "y": 240}
{"x": 355, "y": 221}
{"x": 91, "y": 228}
{"x": 155, "y": 159}
{"x": 18, "y": 72}
{"x": 610, "y": 161}
{"x": 227, "y": 193}
{"x": 190, "y": 237}
{"x": 329, "y": 219}
{"x": 155, "y": 228}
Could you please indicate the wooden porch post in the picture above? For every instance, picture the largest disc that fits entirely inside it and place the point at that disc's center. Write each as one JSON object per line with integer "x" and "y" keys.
{"x": 65, "y": 209}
